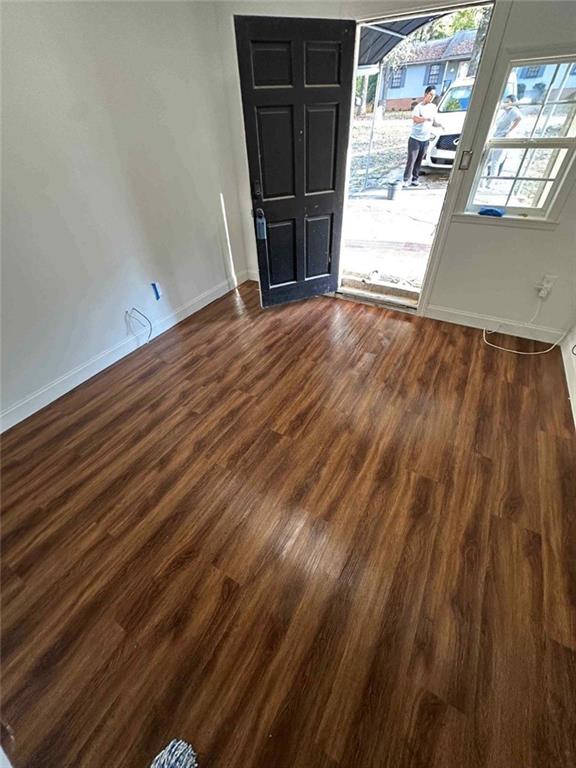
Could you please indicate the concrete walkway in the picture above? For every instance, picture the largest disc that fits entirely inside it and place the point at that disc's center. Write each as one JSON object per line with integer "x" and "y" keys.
{"x": 389, "y": 241}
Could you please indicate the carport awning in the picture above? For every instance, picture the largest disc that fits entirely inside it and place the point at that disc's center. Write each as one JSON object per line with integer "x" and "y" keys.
{"x": 375, "y": 44}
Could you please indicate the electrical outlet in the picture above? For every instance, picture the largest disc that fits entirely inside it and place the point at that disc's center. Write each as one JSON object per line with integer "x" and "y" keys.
{"x": 544, "y": 287}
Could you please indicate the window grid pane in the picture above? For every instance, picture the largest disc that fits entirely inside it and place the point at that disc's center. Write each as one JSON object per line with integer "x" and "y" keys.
{"x": 556, "y": 121}
{"x": 529, "y": 194}
{"x": 524, "y": 177}
{"x": 542, "y": 163}
{"x": 434, "y": 74}
{"x": 563, "y": 86}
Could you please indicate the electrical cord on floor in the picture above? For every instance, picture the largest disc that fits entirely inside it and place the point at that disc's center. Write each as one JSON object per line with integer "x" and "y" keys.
{"x": 145, "y": 318}
{"x": 518, "y": 352}
{"x": 527, "y": 323}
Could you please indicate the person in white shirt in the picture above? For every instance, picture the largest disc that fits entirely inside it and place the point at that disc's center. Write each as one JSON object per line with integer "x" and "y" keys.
{"x": 423, "y": 118}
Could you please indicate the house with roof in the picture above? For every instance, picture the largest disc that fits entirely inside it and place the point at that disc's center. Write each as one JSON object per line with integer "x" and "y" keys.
{"x": 435, "y": 62}
{"x": 533, "y": 80}
{"x": 440, "y": 63}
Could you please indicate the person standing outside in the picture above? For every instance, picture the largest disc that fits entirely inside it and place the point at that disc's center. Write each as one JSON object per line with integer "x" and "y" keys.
{"x": 423, "y": 118}
{"x": 506, "y": 122}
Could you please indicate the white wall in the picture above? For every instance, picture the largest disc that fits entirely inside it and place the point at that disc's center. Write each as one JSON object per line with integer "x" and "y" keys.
{"x": 487, "y": 277}
{"x": 487, "y": 271}
{"x": 116, "y": 147}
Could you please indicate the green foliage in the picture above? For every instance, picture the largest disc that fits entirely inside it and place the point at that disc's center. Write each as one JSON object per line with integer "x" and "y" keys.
{"x": 446, "y": 26}
{"x": 467, "y": 18}
{"x": 371, "y": 92}
{"x": 452, "y": 105}
{"x": 372, "y": 82}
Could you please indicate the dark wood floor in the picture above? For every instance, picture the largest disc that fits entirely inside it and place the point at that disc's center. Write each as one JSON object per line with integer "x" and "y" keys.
{"x": 315, "y": 536}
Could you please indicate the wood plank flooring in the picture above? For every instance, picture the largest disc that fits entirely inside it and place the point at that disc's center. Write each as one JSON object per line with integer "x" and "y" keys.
{"x": 318, "y": 536}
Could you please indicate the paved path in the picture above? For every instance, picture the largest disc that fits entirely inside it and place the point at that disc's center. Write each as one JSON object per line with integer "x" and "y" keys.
{"x": 393, "y": 237}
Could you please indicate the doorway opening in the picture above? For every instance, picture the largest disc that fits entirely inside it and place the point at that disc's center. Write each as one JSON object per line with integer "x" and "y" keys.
{"x": 413, "y": 84}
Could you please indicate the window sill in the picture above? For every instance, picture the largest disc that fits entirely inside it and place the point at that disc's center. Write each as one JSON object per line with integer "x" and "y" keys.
{"x": 520, "y": 222}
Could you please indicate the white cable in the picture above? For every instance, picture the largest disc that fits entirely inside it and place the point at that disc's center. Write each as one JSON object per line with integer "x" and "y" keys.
{"x": 528, "y": 322}
{"x": 517, "y": 352}
{"x": 535, "y": 315}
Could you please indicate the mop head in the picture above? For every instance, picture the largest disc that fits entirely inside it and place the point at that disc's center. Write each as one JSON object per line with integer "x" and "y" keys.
{"x": 178, "y": 754}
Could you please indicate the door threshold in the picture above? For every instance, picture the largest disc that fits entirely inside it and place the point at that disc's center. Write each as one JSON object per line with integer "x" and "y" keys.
{"x": 367, "y": 297}
{"x": 389, "y": 287}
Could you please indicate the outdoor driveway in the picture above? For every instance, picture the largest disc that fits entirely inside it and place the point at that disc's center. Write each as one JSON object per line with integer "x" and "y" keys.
{"x": 389, "y": 237}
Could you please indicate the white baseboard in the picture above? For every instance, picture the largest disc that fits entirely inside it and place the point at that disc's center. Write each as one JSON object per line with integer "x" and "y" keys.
{"x": 73, "y": 378}
{"x": 242, "y": 276}
{"x": 570, "y": 368}
{"x": 524, "y": 330}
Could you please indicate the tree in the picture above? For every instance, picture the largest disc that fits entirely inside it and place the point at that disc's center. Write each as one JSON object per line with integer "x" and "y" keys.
{"x": 482, "y": 30}
{"x": 371, "y": 94}
{"x": 447, "y": 26}
{"x": 442, "y": 27}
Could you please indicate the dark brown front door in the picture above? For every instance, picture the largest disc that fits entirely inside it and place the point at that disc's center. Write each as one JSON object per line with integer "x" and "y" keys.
{"x": 296, "y": 81}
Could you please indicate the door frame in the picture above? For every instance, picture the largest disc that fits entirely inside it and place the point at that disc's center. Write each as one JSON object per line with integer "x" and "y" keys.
{"x": 470, "y": 134}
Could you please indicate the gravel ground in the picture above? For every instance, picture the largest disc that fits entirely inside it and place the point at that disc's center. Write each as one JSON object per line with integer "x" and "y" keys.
{"x": 388, "y": 151}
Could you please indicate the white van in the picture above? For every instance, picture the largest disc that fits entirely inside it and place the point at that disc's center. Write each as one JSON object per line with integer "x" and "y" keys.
{"x": 451, "y": 113}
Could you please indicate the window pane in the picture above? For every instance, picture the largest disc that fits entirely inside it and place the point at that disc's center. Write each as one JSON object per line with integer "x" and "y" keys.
{"x": 534, "y": 89}
{"x": 529, "y": 194}
{"x": 456, "y": 99}
{"x": 556, "y": 120}
{"x": 503, "y": 162}
{"x": 542, "y": 163}
{"x": 564, "y": 84}
{"x": 515, "y": 120}
{"x": 492, "y": 192}
{"x": 538, "y": 102}
{"x": 524, "y": 110}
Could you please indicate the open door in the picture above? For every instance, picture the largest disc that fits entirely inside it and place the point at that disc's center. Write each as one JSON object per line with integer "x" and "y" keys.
{"x": 296, "y": 81}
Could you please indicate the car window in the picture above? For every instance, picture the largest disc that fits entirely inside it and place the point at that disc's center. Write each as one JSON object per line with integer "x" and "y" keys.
{"x": 456, "y": 99}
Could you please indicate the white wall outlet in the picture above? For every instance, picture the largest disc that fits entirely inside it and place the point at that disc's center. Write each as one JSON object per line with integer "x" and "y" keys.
{"x": 545, "y": 285}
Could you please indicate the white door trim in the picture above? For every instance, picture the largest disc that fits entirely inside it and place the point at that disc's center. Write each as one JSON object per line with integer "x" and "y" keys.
{"x": 468, "y": 142}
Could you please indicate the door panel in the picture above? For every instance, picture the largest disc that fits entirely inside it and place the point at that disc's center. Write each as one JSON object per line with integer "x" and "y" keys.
{"x": 318, "y": 245}
{"x": 321, "y": 131}
{"x": 296, "y": 81}
{"x": 282, "y": 252}
{"x": 271, "y": 64}
{"x": 323, "y": 63}
{"x": 276, "y": 151}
